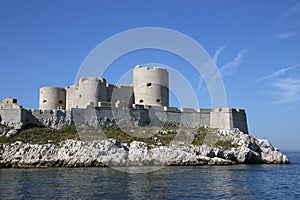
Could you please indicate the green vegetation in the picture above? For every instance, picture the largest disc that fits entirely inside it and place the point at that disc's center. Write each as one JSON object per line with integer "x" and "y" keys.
{"x": 149, "y": 135}
{"x": 146, "y": 135}
{"x": 205, "y": 136}
{"x": 224, "y": 144}
{"x": 4, "y": 127}
{"x": 37, "y": 135}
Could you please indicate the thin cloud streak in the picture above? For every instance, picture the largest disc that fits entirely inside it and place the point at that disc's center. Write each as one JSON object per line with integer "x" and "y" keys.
{"x": 285, "y": 90}
{"x": 285, "y": 35}
{"x": 278, "y": 72}
{"x": 218, "y": 52}
{"x": 292, "y": 11}
{"x": 231, "y": 67}
{"x": 288, "y": 90}
{"x": 227, "y": 69}
{"x": 285, "y": 26}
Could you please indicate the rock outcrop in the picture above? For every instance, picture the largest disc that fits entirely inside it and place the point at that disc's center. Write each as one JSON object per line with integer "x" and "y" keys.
{"x": 72, "y": 153}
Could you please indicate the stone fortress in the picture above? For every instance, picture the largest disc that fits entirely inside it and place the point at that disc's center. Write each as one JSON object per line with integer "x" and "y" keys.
{"x": 97, "y": 103}
{"x": 150, "y": 88}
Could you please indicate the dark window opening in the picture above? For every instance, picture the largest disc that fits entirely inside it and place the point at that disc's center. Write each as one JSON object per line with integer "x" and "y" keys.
{"x": 141, "y": 101}
{"x": 44, "y": 101}
{"x": 149, "y": 84}
{"x": 14, "y": 100}
{"x": 60, "y": 101}
{"x": 7, "y": 101}
{"x": 80, "y": 96}
{"x": 158, "y": 100}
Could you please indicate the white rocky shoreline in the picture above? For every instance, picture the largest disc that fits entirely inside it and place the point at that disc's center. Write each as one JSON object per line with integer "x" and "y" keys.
{"x": 72, "y": 153}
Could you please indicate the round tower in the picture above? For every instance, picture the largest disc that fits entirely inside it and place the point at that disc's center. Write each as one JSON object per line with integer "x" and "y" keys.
{"x": 52, "y": 98}
{"x": 90, "y": 92}
{"x": 151, "y": 86}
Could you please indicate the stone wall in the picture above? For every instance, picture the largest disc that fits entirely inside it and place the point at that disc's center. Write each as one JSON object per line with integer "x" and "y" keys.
{"x": 122, "y": 94}
{"x": 13, "y": 117}
{"x": 239, "y": 120}
{"x": 224, "y": 118}
{"x": 55, "y": 119}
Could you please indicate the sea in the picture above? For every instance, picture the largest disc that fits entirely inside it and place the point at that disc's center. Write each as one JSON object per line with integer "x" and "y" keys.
{"x": 170, "y": 182}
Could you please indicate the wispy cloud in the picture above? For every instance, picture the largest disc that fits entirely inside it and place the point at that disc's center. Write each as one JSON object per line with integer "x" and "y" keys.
{"x": 286, "y": 90}
{"x": 286, "y": 26}
{"x": 291, "y": 11}
{"x": 227, "y": 69}
{"x": 278, "y": 72}
{"x": 285, "y": 35}
{"x": 232, "y": 66}
{"x": 200, "y": 84}
{"x": 218, "y": 52}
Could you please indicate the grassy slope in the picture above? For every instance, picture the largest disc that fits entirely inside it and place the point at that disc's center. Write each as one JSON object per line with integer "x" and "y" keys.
{"x": 151, "y": 136}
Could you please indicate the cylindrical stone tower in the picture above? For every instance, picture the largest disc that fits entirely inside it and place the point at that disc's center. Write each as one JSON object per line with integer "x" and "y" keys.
{"x": 151, "y": 86}
{"x": 71, "y": 100}
{"x": 52, "y": 98}
{"x": 90, "y": 91}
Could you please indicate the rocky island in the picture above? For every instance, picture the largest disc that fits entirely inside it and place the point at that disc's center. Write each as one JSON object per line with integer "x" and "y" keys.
{"x": 229, "y": 147}
{"x": 146, "y": 131}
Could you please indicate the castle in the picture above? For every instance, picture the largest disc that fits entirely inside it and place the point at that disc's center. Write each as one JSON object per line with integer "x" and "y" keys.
{"x": 150, "y": 88}
{"x": 95, "y": 102}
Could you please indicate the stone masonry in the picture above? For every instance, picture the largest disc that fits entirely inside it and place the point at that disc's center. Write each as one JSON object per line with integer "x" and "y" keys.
{"x": 95, "y": 102}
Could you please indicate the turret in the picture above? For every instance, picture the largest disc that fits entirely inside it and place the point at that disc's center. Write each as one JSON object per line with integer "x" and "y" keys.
{"x": 151, "y": 86}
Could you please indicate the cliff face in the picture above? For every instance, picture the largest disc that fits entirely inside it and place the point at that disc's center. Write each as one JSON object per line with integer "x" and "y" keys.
{"x": 71, "y": 153}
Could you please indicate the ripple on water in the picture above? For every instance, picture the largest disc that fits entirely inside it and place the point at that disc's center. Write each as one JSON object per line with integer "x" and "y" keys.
{"x": 192, "y": 182}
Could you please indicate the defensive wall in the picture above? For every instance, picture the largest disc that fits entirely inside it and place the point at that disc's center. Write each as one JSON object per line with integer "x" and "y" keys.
{"x": 104, "y": 115}
{"x": 95, "y": 102}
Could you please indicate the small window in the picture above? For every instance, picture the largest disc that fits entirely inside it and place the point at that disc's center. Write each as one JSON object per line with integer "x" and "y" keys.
{"x": 158, "y": 100}
{"x": 14, "y": 100}
{"x": 7, "y": 101}
{"x": 60, "y": 101}
{"x": 141, "y": 101}
{"x": 44, "y": 101}
{"x": 149, "y": 84}
{"x": 80, "y": 96}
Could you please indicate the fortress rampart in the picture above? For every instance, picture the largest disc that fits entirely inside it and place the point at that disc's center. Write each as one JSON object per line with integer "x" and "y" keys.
{"x": 104, "y": 116}
{"x": 97, "y": 103}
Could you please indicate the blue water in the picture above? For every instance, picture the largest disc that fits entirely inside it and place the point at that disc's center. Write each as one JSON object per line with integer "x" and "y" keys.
{"x": 200, "y": 182}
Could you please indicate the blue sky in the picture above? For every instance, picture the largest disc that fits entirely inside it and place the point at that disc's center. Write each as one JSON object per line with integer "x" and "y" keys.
{"x": 255, "y": 44}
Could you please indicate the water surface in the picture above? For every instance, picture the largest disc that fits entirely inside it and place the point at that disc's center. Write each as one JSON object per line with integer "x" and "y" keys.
{"x": 174, "y": 182}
